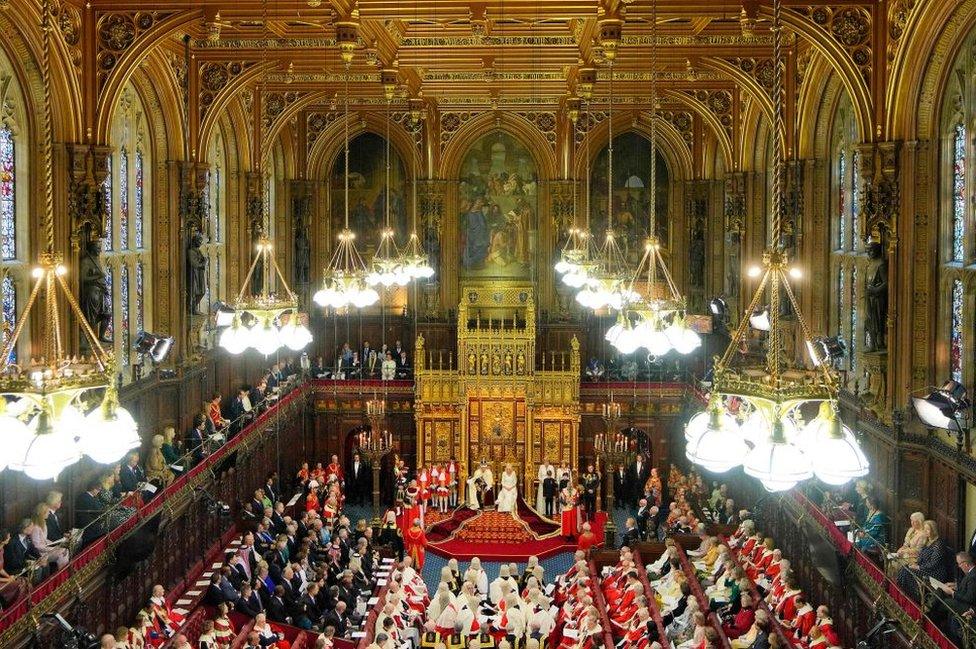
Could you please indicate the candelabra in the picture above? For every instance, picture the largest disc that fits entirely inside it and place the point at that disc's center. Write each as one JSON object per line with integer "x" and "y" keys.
{"x": 613, "y": 448}
{"x": 374, "y": 445}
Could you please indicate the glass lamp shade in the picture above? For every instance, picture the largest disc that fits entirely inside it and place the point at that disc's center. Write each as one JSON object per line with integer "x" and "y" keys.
{"x": 779, "y": 465}
{"x": 263, "y": 336}
{"x": 699, "y": 422}
{"x": 574, "y": 278}
{"x": 627, "y": 342}
{"x": 683, "y": 339}
{"x": 326, "y": 297}
{"x": 755, "y": 428}
{"x": 364, "y": 296}
{"x": 108, "y": 436}
{"x": 562, "y": 266}
{"x": 717, "y": 449}
{"x": 234, "y": 338}
{"x": 50, "y": 449}
{"x": 652, "y": 337}
{"x": 833, "y": 450}
{"x": 295, "y": 335}
{"x": 16, "y": 437}
{"x": 423, "y": 269}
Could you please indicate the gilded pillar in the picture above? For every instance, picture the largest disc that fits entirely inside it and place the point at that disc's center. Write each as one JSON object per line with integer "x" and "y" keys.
{"x": 562, "y": 197}
{"x": 734, "y": 208}
{"x": 431, "y": 196}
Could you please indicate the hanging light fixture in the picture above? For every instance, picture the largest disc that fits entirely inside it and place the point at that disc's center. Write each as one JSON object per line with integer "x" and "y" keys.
{"x": 387, "y": 268}
{"x": 577, "y": 263}
{"x": 345, "y": 283}
{"x": 43, "y": 401}
{"x": 415, "y": 261}
{"x": 658, "y": 315}
{"x": 768, "y": 398}
{"x": 265, "y": 321}
{"x": 604, "y": 278}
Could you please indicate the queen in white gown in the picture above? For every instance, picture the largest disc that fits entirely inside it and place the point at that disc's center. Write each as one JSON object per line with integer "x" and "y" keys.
{"x": 508, "y": 495}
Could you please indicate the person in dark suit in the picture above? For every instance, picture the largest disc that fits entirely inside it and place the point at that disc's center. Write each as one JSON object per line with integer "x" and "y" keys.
{"x": 237, "y": 410}
{"x": 961, "y": 594}
{"x": 88, "y": 508}
{"x": 20, "y": 549}
{"x": 631, "y": 535}
{"x": 337, "y": 619}
{"x": 621, "y": 496}
{"x": 590, "y": 481}
{"x": 215, "y": 594}
{"x": 550, "y": 489}
{"x": 54, "y": 530}
{"x": 356, "y": 479}
{"x": 249, "y": 603}
{"x": 131, "y": 475}
{"x": 194, "y": 438}
{"x": 640, "y": 471}
{"x": 271, "y": 487}
{"x": 643, "y": 517}
{"x": 277, "y": 608}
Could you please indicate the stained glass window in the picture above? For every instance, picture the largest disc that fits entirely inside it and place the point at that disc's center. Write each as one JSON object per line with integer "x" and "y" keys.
{"x": 124, "y": 314}
{"x": 841, "y": 199}
{"x": 138, "y": 214}
{"x": 8, "y": 296}
{"x": 958, "y": 192}
{"x": 123, "y": 199}
{"x": 215, "y": 212}
{"x": 852, "y": 348}
{"x": 840, "y": 303}
{"x": 109, "y": 213}
{"x": 140, "y": 299}
{"x": 8, "y": 206}
{"x": 109, "y": 304}
{"x": 855, "y": 200}
{"x": 955, "y": 332}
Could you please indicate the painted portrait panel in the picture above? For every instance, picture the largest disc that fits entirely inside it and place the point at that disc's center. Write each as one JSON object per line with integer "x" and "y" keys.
{"x": 498, "y": 208}
{"x": 631, "y": 193}
{"x": 367, "y": 195}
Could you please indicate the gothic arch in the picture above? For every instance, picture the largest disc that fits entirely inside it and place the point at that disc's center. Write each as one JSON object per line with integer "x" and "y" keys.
{"x": 756, "y": 92}
{"x": 819, "y": 104}
{"x": 332, "y": 141}
{"x": 671, "y": 145}
{"x": 517, "y": 127}
{"x": 224, "y": 97}
{"x": 128, "y": 62}
{"x": 721, "y": 137}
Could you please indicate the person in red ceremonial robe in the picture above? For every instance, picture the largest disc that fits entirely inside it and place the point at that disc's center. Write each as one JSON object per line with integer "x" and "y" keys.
{"x": 743, "y": 620}
{"x": 625, "y": 608}
{"x": 826, "y": 625}
{"x": 423, "y": 495}
{"x": 312, "y": 499}
{"x": 163, "y": 614}
{"x": 636, "y": 636}
{"x": 569, "y": 508}
{"x": 318, "y": 473}
{"x": 216, "y": 417}
{"x": 335, "y": 469}
{"x": 416, "y": 544}
{"x": 152, "y": 634}
{"x": 805, "y": 617}
{"x": 587, "y": 539}
{"x": 411, "y": 503}
{"x": 786, "y": 609}
{"x": 817, "y": 639}
{"x": 443, "y": 490}
{"x": 303, "y": 473}
{"x": 452, "y": 482}
{"x": 223, "y": 627}
{"x": 331, "y": 509}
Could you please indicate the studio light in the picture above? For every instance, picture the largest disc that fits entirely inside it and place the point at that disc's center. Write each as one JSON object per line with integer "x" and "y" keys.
{"x": 826, "y": 350}
{"x": 759, "y": 320}
{"x": 156, "y": 346}
{"x": 719, "y": 307}
{"x": 945, "y": 408}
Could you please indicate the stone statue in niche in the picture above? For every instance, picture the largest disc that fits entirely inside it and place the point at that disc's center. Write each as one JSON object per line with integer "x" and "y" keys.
{"x": 696, "y": 255}
{"x": 196, "y": 273}
{"x": 876, "y": 293}
{"x": 93, "y": 290}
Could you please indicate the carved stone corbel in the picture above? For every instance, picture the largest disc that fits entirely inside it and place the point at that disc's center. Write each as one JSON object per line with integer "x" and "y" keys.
{"x": 194, "y": 206}
{"x": 88, "y": 166}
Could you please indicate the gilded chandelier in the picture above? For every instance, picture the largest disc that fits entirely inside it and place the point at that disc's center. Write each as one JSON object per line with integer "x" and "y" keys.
{"x": 755, "y": 414}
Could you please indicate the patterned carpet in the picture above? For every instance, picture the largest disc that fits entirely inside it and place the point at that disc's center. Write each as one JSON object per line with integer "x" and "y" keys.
{"x": 494, "y": 527}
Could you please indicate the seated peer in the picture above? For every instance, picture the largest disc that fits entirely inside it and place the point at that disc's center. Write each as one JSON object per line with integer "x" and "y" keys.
{"x": 49, "y": 552}
{"x": 11, "y": 587}
{"x": 934, "y": 560}
{"x": 873, "y": 537}
{"x": 157, "y": 468}
{"x": 20, "y": 549}
{"x": 131, "y": 474}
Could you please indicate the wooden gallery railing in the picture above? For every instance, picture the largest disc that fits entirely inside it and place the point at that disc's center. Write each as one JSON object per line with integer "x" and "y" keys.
{"x": 93, "y": 593}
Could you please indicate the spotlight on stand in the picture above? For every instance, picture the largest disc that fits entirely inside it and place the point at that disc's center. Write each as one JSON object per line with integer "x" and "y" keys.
{"x": 945, "y": 408}
{"x": 721, "y": 318}
{"x": 155, "y": 346}
{"x": 72, "y": 637}
{"x": 759, "y": 320}
{"x": 223, "y": 314}
{"x": 826, "y": 350}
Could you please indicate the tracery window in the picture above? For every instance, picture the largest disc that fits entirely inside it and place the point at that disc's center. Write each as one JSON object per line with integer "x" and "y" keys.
{"x": 127, "y": 243}
{"x": 956, "y": 331}
{"x": 847, "y": 253}
{"x": 959, "y": 193}
{"x": 15, "y": 207}
{"x": 214, "y": 246}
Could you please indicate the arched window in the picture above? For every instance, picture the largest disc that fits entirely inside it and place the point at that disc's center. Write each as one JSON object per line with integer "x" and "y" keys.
{"x": 214, "y": 235}
{"x": 959, "y": 193}
{"x": 955, "y": 331}
{"x": 847, "y": 253}
{"x": 126, "y": 244}
{"x": 15, "y": 259}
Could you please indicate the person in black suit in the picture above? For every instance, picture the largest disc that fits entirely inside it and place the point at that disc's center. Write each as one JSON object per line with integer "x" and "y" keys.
{"x": 621, "y": 496}
{"x": 194, "y": 438}
{"x": 277, "y": 608}
{"x": 643, "y": 517}
{"x": 640, "y": 471}
{"x": 249, "y": 603}
{"x": 237, "y": 411}
{"x": 215, "y": 594}
{"x": 271, "y": 487}
{"x": 20, "y": 549}
{"x": 356, "y": 479}
{"x": 961, "y": 595}
{"x": 131, "y": 475}
{"x": 550, "y": 489}
{"x": 88, "y": 508}
{"x": 631, "y": 536}
{"x": 590, "y": 481}
{"x": 337, "y": 619}
{"x": 54, "y": 530}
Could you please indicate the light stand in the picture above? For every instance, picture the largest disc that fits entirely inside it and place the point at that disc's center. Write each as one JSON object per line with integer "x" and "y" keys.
{"x": 612, "y": 448}
{"x": 374, "y": 445}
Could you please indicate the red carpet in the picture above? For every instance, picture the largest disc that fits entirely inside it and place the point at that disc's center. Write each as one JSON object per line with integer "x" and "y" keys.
{"x": 495, "y": 536}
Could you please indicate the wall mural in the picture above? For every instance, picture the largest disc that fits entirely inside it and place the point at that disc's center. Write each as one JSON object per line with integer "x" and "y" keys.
{"x": 498, "y": 207}
{"x": 367, "y": 198}
{"x": 631, "y": 193}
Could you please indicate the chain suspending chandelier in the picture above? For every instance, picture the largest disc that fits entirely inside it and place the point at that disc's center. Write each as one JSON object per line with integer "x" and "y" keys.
{"x": 47, "y": 420}
{"x": 265, "y": 320}
{"x": 653, "y": 319}
{"x": 387, "y": 268}
{"x": 754, "y": 415}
